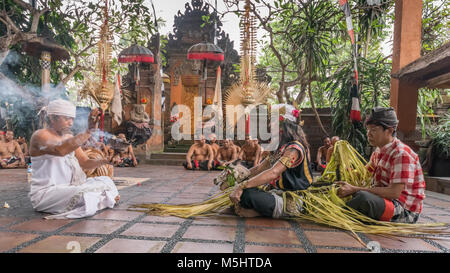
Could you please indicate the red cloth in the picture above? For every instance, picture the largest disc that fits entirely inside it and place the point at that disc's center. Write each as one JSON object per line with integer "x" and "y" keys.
{"x": 397, "y": 163}
{"x": 388, "y": 211}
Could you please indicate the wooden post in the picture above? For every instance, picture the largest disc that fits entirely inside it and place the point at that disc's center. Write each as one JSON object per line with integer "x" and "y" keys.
{"x": 406, "y": 49}
{"x": 45, "y": 64}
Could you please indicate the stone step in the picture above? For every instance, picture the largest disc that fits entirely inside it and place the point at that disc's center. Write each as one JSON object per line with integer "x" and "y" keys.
{"x": 176, "y": 149}
{"x": 169, "y": 156}
{"x": 165, "y": 162}
{"x": 438, "y": 184}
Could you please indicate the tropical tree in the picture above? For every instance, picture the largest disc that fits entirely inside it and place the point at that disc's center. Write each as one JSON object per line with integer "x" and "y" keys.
{"x": 312, "y": 39}
{"x": 72, "y": 24}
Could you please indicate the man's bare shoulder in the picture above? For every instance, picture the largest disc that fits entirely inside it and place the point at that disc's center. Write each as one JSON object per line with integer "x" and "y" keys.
{"x": 43, "y": 135}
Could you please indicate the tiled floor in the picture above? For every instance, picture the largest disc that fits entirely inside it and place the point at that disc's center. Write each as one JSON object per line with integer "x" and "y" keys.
{"x": 120, "y": 230}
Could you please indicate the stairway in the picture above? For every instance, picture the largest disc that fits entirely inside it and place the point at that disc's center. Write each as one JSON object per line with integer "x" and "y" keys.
{"x": 167, "y": 158}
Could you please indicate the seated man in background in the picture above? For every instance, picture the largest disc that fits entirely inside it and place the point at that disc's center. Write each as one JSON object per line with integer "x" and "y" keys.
{"x": 250, "y": 153}
{"x": 124, "y": 154}
{"x": 11, "y": 155}
{"x": 237, "y": 147}
{"x": 24, "y": 147}
{"x": 200, "y": 156}
{"x": 321, "y": 158}
{"x": 214, "y": 146}
{"x": 108, "y": 152}
{"x": 227, "y": 153}
{"x": 331, "y": 148}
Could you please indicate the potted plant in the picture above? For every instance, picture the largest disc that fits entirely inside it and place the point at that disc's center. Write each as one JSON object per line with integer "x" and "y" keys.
{"x": 439, "y": 152}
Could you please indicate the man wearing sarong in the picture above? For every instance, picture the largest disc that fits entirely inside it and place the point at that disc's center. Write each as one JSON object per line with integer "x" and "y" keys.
{"x": 286, "y": 169}
{"x": 58, "y": 184}
{"x": 11, "y": 155}
{"x": 24, "y": 148}
{"x": 321, "y": 157}
{"x": 330, "y": 150}
{"x": 250, "y": 153}
{"x": 124, "y": 155}
{"x": 214, "y": 146}
{"x": 227, "y": 153}
{"x": 398, "y": 185}
{"x": 200, "y": 156}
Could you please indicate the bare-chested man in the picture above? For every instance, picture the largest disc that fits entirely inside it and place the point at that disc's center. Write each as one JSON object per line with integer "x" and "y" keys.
{"x": 331, "y": 148}
{"x": 213, "y": 143}
{"x": 24, "y": 147}
{"x": 227, "y": 153}
{"x": 11, "y": 155}
{"x": 124, "y": 157}
{"x": 321, "y": 157}
{"x": 250, "y": 153}
{"x": 59, "y": 184}
{"x": 200, "y": 156}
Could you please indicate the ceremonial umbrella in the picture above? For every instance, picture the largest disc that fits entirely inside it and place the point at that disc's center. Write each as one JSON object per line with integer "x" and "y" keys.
{"x": 205, "y": 51}
{"x": 136, "y": 54}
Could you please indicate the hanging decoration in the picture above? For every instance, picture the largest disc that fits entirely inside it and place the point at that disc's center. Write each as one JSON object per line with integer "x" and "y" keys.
{"x": 355, "y": 113}
{"x": 99, "y": 87}
{"x": 247, "y": 91}
{"x": 136, "y": 54}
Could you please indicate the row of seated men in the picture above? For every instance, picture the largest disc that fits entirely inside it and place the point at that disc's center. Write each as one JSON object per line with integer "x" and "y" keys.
{"x": 117, "y": 151}
{"x": 13, "y": 152}
{"x": 211, "y": 156}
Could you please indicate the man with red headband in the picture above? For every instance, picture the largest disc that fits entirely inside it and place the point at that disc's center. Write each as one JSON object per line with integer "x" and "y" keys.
{"x": 398, "y": 186}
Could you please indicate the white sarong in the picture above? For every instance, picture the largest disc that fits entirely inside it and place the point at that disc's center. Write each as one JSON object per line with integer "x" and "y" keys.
{"x": 59, "y": 186}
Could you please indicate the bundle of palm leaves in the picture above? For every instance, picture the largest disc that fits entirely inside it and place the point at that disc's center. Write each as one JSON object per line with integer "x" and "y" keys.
{"x": 320, "y": 204}
{"x": 323, "y": 206}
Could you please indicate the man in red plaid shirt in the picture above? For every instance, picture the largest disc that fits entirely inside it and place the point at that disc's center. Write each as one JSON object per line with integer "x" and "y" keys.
{"x": 398, "y": 186}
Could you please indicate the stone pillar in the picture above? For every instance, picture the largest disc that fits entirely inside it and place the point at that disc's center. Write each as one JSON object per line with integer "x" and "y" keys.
{"x": 406, "y": 49}
{"x": 46, "y": 58}
{"x": 156, "y": 142}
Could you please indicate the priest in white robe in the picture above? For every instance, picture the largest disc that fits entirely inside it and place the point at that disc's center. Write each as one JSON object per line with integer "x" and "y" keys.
{"x": 58, "y": 185}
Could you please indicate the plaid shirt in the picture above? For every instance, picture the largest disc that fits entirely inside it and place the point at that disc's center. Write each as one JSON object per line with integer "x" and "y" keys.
{"x": 397, "y": 163}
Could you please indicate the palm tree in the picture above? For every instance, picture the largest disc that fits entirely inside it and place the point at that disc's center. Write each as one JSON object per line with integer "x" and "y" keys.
{"x": 313, "y": 41}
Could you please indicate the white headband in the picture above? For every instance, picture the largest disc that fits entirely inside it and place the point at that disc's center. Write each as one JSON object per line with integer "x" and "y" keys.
{"x": 61, "y": 107}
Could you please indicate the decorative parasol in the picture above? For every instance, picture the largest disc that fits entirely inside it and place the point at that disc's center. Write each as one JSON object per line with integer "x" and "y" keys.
{"x": 206, "y": 51}
{"x": 136, "y": 54}
{"x": 47, "y": 49}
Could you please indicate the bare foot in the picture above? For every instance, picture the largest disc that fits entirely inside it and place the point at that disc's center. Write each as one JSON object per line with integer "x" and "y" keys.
{"x": 247, "y": 213}
{"x": 117, "y": 198}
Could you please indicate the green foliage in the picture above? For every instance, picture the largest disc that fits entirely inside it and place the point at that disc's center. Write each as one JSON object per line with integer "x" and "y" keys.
{"x": 374, "y": 91}
{"x": 440, "y": 136}
{"x": 426, "y": 100}
{"x": 74, "y": 25}
{"x": 435, "y": 24}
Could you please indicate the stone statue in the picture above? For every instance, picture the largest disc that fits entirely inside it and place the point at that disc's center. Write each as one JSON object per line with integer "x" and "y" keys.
{"x": 137, "y": 128}
{"x": 138, "y": 114}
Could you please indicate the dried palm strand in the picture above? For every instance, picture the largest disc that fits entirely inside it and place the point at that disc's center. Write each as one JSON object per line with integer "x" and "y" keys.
{"x": 348, "y": 165}
{"x": 325, "y": 207}
{"x": 213, "y": 205}
{"x": 321, "y": 205}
